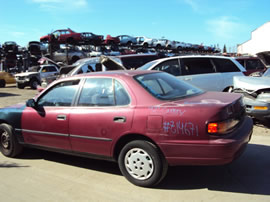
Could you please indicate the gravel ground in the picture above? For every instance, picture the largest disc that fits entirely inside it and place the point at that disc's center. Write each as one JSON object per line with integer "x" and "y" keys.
{"x": 11, "y": 95}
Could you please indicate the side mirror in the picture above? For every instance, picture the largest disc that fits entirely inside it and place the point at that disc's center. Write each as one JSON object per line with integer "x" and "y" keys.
{"x": 31, "y": 103}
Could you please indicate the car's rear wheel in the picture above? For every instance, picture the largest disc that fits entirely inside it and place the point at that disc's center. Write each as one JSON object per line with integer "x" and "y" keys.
{"x": 142, "y": 163}
{"x": 9, "y": 145}
{"x": 2, "y": 83}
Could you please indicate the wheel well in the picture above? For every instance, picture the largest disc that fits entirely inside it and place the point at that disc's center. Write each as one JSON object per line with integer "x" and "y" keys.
{"x": 228, "y": 89}
{"x": 128, "y": 138}
{"x": 2, "y": 121}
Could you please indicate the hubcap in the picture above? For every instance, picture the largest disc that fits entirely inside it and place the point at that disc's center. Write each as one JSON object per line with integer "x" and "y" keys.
{"x": 5, "y": 140}
{"x": 139, "y": 164}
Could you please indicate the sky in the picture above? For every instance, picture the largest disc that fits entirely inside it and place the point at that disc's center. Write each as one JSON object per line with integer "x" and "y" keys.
{"x": 207, "y": 22}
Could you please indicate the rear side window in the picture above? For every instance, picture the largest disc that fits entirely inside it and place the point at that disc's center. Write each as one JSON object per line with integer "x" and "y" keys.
{"x": 225, "y": 65}
{"x": 196, "y": 66}
{"x": 103, "y": 92}
{"x": 254, "y": 64}
{"x": 169, "y": 66}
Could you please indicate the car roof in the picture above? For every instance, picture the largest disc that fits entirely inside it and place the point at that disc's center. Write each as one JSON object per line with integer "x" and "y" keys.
{"x": 193, "y": 56}
{"x": 137, "y": 55}
{"x": 115, "y": 73}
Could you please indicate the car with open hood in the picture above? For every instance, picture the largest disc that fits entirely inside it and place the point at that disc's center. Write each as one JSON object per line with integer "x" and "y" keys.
{"x": 143, "y": 120}
{"x": 256, "y": 91}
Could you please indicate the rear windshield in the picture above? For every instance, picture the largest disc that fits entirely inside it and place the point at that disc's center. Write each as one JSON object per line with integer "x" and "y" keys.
{"x": 165, "y": 86}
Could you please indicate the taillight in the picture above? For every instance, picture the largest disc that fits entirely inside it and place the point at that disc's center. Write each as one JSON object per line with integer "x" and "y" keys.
{"x": 222, "y": 127}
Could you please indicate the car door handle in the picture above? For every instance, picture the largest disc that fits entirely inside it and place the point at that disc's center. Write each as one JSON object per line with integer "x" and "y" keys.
{"x": 61, "y": 117}
{"x": 119, "y": 119}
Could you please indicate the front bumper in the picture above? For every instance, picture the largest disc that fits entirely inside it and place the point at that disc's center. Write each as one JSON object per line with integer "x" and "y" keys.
{"x": 209, "y": 152}
{"x": 257, "y": 108}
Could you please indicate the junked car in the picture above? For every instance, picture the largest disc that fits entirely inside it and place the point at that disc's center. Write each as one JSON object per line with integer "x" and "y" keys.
{"x": 144, "y": 120}
{"x": 33, "y": 78}
{"x": 211, "y": 73}
{"x": 127, "y": 40}
{"x": 6, "y": 78}
{"x": 256, "y": 91}
{"x": 86, "y": 65}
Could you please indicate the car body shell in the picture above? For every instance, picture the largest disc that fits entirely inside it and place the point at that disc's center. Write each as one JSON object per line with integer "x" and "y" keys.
{"x": 62, "y": 36}
{"x": 92, "y": 39}
{"x": 174, "y": 126}
{"x": 127, "y": 40}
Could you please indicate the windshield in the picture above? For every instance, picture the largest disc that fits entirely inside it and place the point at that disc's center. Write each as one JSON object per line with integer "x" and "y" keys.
{"x": 166, "y": 87}
{"x": 147, "y": 65}
{"x": 267, "y": 73}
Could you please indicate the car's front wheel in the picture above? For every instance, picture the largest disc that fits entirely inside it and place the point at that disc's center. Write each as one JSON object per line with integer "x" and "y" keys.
{"x": 20, "y": 85}
{"x": 142, "y": 163}
{"x": 9, "y": 145}
{"x": 2, "y": 83}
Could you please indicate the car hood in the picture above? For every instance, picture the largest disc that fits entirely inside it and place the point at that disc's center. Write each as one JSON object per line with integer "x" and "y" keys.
{"x": 26, "y": 73}
{"x": 15, "y": 106}
{"x": 251, "y": 83}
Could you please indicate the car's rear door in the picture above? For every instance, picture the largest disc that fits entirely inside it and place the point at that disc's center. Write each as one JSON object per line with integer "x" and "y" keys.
{"x": 47, "y": 123}
{"x": 201, "y": 73}
{"x": 103, "y": 113}
{"x": 228, "y": 69}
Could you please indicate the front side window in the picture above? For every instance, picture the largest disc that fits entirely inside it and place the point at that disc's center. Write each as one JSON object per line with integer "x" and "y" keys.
{"x": 170, "y": 66}
{"x": 103, "y": 92}
{"x": 165, "y": 86}
{"x": 61, "y": 94}
{"x": 192, "y": 66}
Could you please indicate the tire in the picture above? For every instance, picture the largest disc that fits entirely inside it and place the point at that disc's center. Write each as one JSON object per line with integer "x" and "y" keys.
{"x": 20, "y": 85}
{"x": 71, "y": 41}
{"x": 129, "y": 43}
{"x": 158, "y": 46}
{"x": 142, "y": 163}
{"x": 74, "y": 59}
{"x": 9, "y": 145}
{"x": 145, "y": 45}
{"x": 34, "y": 83}
{"x": 2, "y": 83}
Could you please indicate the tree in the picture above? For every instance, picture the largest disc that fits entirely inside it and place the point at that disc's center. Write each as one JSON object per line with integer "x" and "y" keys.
{"x": 224, "y": 49}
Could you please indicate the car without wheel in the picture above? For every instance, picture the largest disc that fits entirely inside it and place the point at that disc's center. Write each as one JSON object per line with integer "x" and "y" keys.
{"x": 144, "y": 120}
{"x": 211, "y": 73}
{"x": 33, "y": 78}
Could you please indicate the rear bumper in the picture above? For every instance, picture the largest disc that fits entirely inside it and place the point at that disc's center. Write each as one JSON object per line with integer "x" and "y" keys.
{"x": 209, "y": 152}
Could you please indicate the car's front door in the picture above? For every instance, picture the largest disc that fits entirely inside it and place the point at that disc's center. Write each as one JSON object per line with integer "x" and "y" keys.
{"x": 46, "y": 124}
{"x": 103, "y": 112}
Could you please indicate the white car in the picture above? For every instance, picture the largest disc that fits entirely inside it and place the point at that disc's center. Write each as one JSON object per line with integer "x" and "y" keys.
{"x": 144, "y": 41}
{"x": 210, "y": 73}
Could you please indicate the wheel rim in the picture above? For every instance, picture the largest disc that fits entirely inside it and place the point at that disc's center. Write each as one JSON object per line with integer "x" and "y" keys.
{"x": 35, "y": 84}
{"x": 5, "y": 140}
{"x": 139, "y": 164}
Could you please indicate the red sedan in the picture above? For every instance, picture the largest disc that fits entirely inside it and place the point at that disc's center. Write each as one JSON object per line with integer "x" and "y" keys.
{"x": 144, "y": 120}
